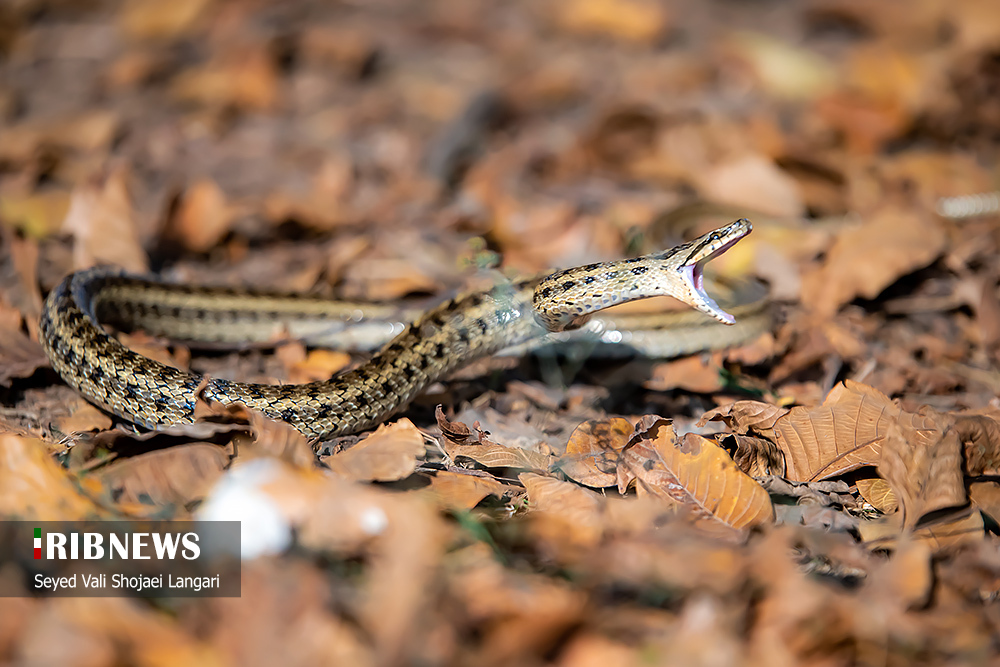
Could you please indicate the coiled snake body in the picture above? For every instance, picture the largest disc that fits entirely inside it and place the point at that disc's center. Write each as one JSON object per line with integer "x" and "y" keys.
{"x": 454, "y": 333}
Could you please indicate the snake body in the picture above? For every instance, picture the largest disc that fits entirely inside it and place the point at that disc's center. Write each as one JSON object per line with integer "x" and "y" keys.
{"x": 448, "y": 336}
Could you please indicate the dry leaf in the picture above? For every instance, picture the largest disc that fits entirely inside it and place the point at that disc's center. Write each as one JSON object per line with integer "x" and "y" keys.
{"x": 922, "y": 460}
{"x": 174, "y": 476}
{"x": 878, "y": 493}
{"x": 318, "y": 365}
{"x": 244, "y": 78}
{"x": 906, "y": 579}
{"x": 629, "y": 20}
{"x": 973, "y": 573}
{"x": 386, "y": 279}
{"x": 753, "y": 181}
{"x": 280, "y": 439}
{"x": 456, "y": 431}
{"x": 783, "y": 69}
{"x": 106, "y": 629}
{"x": 950, "y": 532}
{"x": 756, "y": 457}
{"x": 698, "y": 373}
{"x": 867, "y": 258}
{"x": 812, "y": 494}
{"x": 520, "y": 614}
{"x": 318, "y": 213}
{"x": 346, "y": 47}
{"x": 458, "y": 491}
{"x": 548, "y": 494}
{"x": 594, "y": 650}
{"x": 637, "y": 516}
{"x": 673, "y": 556}
{"x": 84, "y": 418}
{"x": 594, "y": 452}
{"x": 979, "y": 432}
{"x": 203, "y": 217}
{"x": 20, "y": 356}
{"x": 882, "y": 71}
{"x": 232, "y": 423}
{"x": 142, "y": 21}
{"x": 37, "y": 215}
{"x": 24, "y": 294}
{"x": 157, "y": 349}
{"x": 400, "y": 538}
{"x": 866, "y": 123}
{"x": 986, "y": 496}
{"x": 83, "y": 131}
{"x": 843, "y": 434}
{"x": 326, "y": 207}
{"x": 387, "y": 455}
{"x": 746, "y": 416}
{"x": 491, "y": 455}
{"x": 103, "y": 225}
{"x": 702, "y": 636}
{"x": 299, "y": 628}
{"x": 33, "y": 486}
{"x": 695, "y": 472}
{"x": 396, "y": 605}
{"x": 571, "y": 514}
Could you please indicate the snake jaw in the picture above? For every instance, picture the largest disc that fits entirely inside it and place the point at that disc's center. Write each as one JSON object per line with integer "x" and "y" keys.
{"x": 699, "y": 298}
{"x": 692, "y": 272}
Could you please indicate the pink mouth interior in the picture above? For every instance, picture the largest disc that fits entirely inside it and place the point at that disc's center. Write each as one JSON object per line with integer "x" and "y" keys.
{"x": 696, "y": 278}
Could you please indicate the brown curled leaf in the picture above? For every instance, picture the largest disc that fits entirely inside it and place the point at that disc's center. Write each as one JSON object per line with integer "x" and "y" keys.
{"x": 387, "y": 455}
{"x": 173, "y": 476}
{"x": 757, "y": 457}
{"x": 20, "y": 356}
{"x": 458, "y": 491}
{"x": 203, "y": 216}
{"x": 280, "y": 439}
{"x": 843, "y": 434}
{"x": 952, "y": 531}
{"x": 695, "y": 472}
{"x": 594, "y": 451}
{"x": 699, "y": 373}
{"x": 570, "y": 514}
{"x": 879, "y": 494}
{"x": 84, "y": 417}
{"x": 491, "y": 455}
{"x": 34, "y": 486}
{"x": 986, "y": 496}
{"x": 455, "y": 431}
{"x": 865, "y": 259}
{"x": 922, "y": 461}
{"x": 746, "y": 416}
{"x": 104, "y": 227}
{"x": 979, "y": 432}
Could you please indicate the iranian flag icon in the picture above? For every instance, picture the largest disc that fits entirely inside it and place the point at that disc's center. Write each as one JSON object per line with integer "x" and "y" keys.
{"x": 38, "y": 543}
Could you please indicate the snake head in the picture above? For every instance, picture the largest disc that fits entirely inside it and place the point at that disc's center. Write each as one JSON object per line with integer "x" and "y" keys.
{"x": 564, "y": 299}
{"x": 685, "y": 266}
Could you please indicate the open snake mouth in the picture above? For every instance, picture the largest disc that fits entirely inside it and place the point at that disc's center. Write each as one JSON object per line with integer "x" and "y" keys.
{"x": 694, "y": 277}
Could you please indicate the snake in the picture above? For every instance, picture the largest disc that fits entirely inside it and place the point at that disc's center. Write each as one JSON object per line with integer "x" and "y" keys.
{"x": 154, "y": 395}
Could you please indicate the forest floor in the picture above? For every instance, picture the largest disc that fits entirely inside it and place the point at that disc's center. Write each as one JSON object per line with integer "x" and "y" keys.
{"x": 824, "y": 494}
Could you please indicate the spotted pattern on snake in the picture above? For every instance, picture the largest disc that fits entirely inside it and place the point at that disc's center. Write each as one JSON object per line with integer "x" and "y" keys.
{"x": 448, "y": 336}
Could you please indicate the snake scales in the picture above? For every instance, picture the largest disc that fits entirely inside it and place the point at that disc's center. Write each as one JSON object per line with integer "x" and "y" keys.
{"x": 454, "y": 333}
